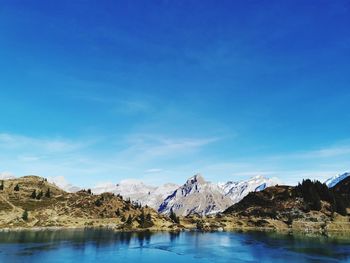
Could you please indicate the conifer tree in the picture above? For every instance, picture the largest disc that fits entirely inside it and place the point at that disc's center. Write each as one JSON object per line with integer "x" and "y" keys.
{"x": 117, "y": 212}
{"x": 33, "y": 195}
{"x": 142, "y": 219}
{"x": 173, "y": 217}
{"x": 16, "y": 188}
{"x": 98, "y": 202}
{"x": 148, "y": 217}
{"x": 25, "y": 215}
{"x": 48, "y": 193}
{"x": 39, "y": 195}
{"x": 129, "y": 220}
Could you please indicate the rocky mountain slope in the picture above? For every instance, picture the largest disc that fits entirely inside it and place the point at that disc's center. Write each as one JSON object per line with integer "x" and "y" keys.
{"x": 139, "y": 192}
{"x": 32, "y": 201}
{"x": 195, "y": 196}
{"x": 198, "y": 196}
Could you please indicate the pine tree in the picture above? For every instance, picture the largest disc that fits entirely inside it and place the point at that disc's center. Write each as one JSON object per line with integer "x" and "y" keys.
{"x": 25, "y": 215}
{"x": 98, "y": 202}
{"x": 129, "y": 221}
{"x": 173, "y": 217}
{"x": 39, "y": 195}
{"x": 48, "y": 193}
{"x": 148, "y": 217}
{"x": 33, "y": 195}
{"x": 1, "y": 185}
{"x": 117, "y": 212}
{"x": 16, "y": 188}
{"x": 200, "y": 225}
{"x": 142, "y": 219}
{"x": 340, "y": 206}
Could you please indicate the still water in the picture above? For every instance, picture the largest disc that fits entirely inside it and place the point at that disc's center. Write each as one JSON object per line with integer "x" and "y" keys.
{"x": 190, "y": 247}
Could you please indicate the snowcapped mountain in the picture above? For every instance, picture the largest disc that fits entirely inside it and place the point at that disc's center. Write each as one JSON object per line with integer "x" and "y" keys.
{"x": 138, "y": 192}
{"x": 237, "y": 190}
{"x": 336, "y": 179}
{"x": 196, "y": 196}
{"x": 199, "y": 196}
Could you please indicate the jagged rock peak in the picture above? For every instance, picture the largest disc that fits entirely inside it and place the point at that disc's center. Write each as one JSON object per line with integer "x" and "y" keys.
{"x": 196, "y": 179}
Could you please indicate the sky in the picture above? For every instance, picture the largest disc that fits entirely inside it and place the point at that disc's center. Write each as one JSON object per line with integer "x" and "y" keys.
{"x": 159, "y": 90}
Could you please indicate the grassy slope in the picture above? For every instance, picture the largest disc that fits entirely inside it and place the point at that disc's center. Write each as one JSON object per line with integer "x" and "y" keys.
{"x": 70, "y": 209}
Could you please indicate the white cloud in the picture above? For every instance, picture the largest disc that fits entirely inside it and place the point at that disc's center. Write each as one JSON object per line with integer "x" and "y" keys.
{"x": 149, "y": 146}
{"x": 327, "y": 152}
{"x": 56, "y": 145}
{"x": 140, "y": 155}
{"x": 82, "y": 162}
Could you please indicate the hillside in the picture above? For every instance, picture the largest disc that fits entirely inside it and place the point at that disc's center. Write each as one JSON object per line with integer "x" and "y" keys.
{"x": 342, "y": 188}
{"x": 33, "y": 202}
{"x": 27, "y": 202}
{"x": 308, "y": 207}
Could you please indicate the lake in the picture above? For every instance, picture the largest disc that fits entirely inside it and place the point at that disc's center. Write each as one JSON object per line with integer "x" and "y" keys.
{"x": 189, "y": 247}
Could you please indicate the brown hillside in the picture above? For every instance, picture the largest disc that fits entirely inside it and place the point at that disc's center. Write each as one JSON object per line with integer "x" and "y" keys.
{"x": 62, "y": 209}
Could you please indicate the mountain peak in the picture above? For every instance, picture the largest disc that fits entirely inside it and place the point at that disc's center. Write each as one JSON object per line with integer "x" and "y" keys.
{"x": 196, "y": 179}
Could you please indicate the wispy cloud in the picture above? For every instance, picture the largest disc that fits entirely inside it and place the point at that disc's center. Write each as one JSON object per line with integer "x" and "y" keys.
{"x": 326, "y": 152}
{"x": 157, "y": 158}
{"x": 336, "y": 150}
{"x": 53, "y": 145}
{"x": 122, "y": 104}
{"x": 152, "y": 146}
{"x": 82, "y": 160}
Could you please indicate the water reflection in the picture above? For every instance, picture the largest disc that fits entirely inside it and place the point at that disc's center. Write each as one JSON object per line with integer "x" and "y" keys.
{"x": 108, "y": 246}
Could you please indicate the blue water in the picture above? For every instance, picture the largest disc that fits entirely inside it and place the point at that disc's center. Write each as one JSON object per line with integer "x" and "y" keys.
{"x": 190, "y": 247}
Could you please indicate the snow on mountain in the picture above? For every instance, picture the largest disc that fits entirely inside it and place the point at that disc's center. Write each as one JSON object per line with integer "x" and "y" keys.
{"x": 61, "y": 182}
{"x": 336, "y": 179}
{"x": 199, "y": 196}
{"x": 138, "y": 192}
{"x": 195, "y": 196}
{"x": 237, "y": 190}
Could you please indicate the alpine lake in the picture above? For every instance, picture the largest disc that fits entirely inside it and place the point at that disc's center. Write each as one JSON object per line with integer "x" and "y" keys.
{"x": 101, "y": 245}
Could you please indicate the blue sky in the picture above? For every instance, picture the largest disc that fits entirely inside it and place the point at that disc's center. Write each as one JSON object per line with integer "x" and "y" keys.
{"x": 159, "y": 90}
